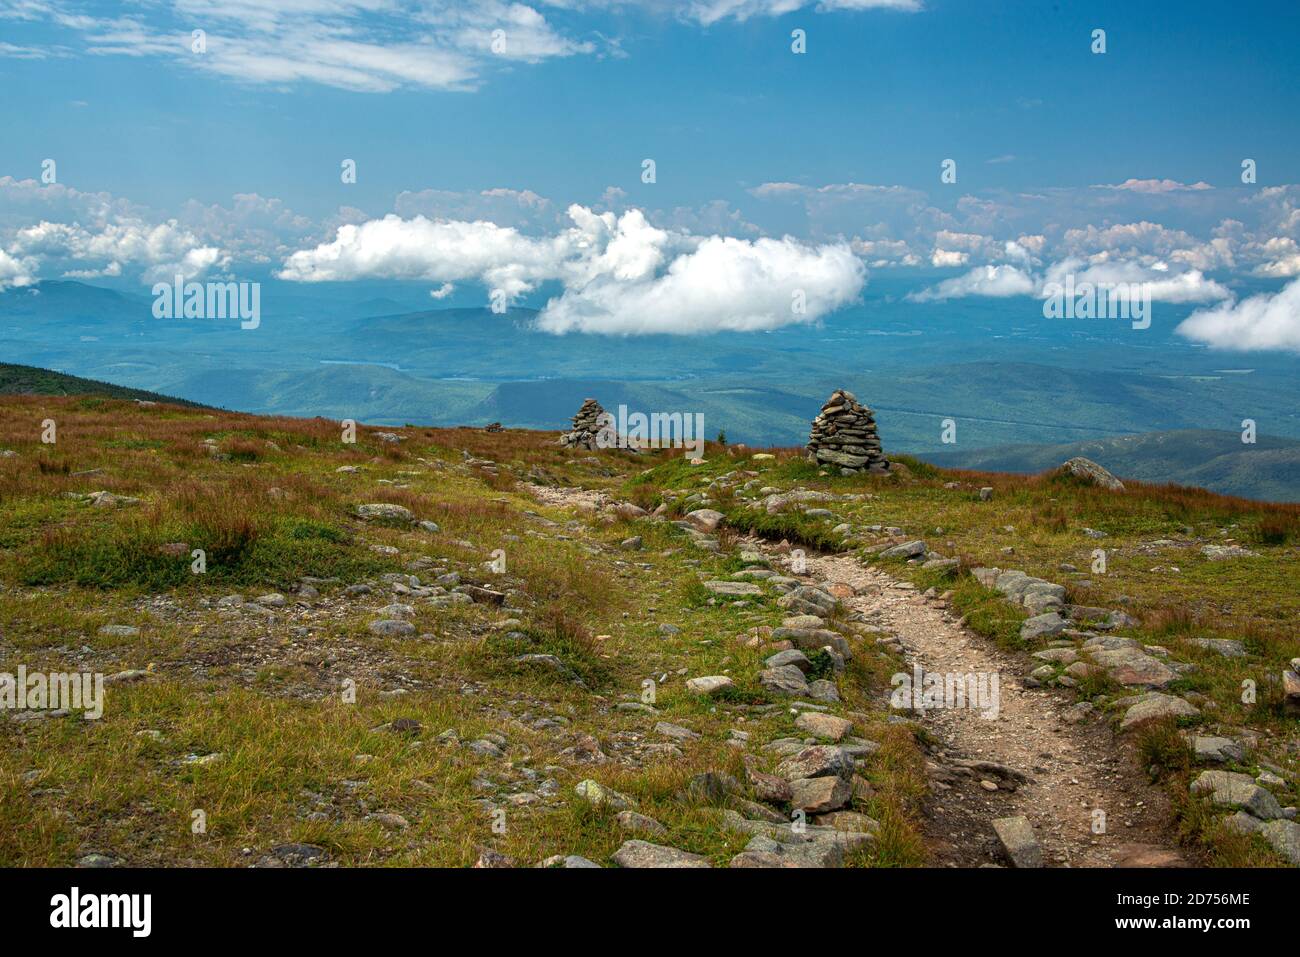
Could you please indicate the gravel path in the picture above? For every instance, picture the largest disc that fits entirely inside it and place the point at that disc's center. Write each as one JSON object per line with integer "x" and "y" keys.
{"x": 1074, "y": 770}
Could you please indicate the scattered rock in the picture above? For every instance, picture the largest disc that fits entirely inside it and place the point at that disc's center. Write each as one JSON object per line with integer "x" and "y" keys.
{"x": 597, "y": 794}
{"x": 709, "y": 684}
{"x": 1019, "y": 842}
{"x": 824, "y": 726}
{"x": 1089, "y": 470}
{"x": 383, "y": 511}
{"x": 820, "y": 795}
{"x": 1230, "y": 789}
{"x": 644, "y": 854}
{"x": 1155, "y": 706}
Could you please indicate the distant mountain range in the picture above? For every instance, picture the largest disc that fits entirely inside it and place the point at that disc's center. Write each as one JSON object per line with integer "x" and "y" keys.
{"x": 1268, "y": 469}
{"x": 1010, "y": 380}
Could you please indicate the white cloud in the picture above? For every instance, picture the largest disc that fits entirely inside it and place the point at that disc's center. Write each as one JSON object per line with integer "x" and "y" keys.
{"x": 1163, "y": 284}
{"x": 161, "y": 249}
{"x": 620, "y": 274}
{"x": 14, "y": 271}
{"x": 880, "y": 253}
{"x": 1283, "y": 258}
{"x": 996, "y": 281}
{"x": 1266, "y": 321}
{"x": 368, "y": 46}
{"x": 1001, "y": 281}
{"x": 521, "y": 208}
{"x": 711, "y": 11}
{"x": 420, "y": 248}
{"x": 948, "y": 257}
{"x": 1156, "y": 186}
{"x": 725, "y": 284}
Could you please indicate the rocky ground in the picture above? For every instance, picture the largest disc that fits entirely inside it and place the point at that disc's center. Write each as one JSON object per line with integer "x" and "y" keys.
{"x": 461, "y": 647}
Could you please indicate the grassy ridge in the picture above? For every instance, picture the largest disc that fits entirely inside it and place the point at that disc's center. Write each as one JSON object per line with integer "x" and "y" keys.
{"x": 30, "y": 380}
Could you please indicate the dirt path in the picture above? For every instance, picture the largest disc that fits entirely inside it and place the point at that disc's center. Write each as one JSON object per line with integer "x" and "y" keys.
{"x": 1073, "y": 769}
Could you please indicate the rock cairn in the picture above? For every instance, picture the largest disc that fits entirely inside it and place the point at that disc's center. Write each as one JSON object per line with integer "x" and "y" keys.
{"x": 585, "y": 426}
{"x": 844, "y": 434}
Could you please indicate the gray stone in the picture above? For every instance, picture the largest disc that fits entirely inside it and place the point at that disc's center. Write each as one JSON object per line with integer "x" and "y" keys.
{"x": 792, "y": 656}
{"x": 913, "y": 549}
{"x": 385, "y": 512}
{"x": 639, "y": 823}
{"x": 1019, "y": 842}
{"x": 1228, "y": 647}
{"x": 675, "y": 731}
{"x": 734, "y": 589}
{"x": 825, "y": 726}
{"x": 820, "y": 795}
{"x": 119, "y": 631}
{"x": 817, "y": 761}
{"x": 1154, "y": 706}
{"x": 1041, "y": 626}
{"x": 1089, "y": 470}
{"x": 823, "y": 689}
{"x": 1228, "y": 789}
{"x": 595, "y": 793}
{"x": 644, "y": 854}
{"x": 1285, "y": 838}
{"x": 709, "y": 684}
{"x": 785, "y": 680}
{"x": 1208, "y": 748}
{"x": 705, "y": 519}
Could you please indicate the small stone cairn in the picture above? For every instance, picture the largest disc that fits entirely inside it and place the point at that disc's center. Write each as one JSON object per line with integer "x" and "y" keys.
{"x": 844, "y": 435}
{"x": 586, "y": 424}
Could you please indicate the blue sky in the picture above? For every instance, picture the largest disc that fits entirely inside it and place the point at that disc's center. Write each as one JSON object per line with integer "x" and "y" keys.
{"x": 1127, "y": 161}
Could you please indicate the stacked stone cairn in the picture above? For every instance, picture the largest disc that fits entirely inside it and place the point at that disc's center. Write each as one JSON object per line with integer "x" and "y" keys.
{"x": 586, "y": 424}
{"x": 844, "y": 435}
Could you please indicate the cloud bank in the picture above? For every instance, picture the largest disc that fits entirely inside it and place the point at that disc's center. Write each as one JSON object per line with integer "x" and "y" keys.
{"x": 1266, "y": 321}
{"x": 620, "y": 274}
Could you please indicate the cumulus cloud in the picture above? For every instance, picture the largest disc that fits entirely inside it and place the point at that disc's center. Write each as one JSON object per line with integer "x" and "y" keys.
{"x": 1000, "y": 281}
{"x": 159, "y": 249}
{"x": 949, "y": 257}
{"x": 1282, "y": 258}
{"x": 725, "y": 284}
{"x": 879, "y": 253}
{"x": 421, "y": 248}
{"x": 996, "y": 281}
{"x": 1266, "y": 321}
{"x": 14, "y": 272}
{"x": 1163, "y": 284}
{"x": 620, "y": 274}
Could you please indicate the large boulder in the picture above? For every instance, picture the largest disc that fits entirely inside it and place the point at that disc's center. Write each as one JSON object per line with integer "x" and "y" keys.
{"x": 1090, "y": 471}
